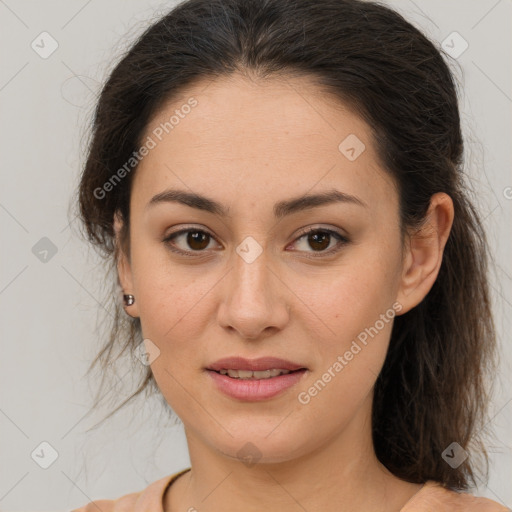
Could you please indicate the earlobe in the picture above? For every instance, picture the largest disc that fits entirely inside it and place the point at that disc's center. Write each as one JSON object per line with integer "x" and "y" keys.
{"x": 124, "y": 270}
{"x": 424, "y": 252}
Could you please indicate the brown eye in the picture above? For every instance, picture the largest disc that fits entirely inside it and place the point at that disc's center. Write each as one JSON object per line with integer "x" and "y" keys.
{"x": 196, "y": 240}
{"x": 188, "y": 241}
{"x": 320, "y": 241}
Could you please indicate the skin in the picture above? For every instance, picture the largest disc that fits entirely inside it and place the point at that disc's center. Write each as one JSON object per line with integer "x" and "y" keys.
{"x": 248, "y": 144}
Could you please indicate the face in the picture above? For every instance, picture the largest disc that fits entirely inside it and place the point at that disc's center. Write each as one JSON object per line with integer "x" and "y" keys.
{"x": 247, "y": 279}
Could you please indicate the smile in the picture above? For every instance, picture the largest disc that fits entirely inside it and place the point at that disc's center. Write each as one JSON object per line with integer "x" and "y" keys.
{"x": 254, "y": 386}
{"x": 247, "y": 374}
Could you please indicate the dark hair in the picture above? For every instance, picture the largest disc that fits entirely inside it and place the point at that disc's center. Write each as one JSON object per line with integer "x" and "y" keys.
{"x": 431, "y": 389}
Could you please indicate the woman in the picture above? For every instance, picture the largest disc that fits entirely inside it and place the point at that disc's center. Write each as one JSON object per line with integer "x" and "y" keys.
{"x": 279, "y": 186}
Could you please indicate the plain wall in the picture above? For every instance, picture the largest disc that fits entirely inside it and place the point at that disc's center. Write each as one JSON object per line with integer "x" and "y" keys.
{"x": 48, "y": 309}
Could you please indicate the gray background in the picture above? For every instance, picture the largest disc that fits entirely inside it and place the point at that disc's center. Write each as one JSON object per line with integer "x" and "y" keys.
{"x": 49, "y": 302}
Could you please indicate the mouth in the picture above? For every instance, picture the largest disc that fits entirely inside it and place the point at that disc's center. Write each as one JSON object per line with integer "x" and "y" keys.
{"x": 255, "y": 385}
{"x": 255, "y": 379}
{"x": 261, "y": 368}
{"x": 256, "y": 375}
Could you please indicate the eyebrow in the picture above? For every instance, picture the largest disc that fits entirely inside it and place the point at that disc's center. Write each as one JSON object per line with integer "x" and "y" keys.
{"x": 281, "y": 209}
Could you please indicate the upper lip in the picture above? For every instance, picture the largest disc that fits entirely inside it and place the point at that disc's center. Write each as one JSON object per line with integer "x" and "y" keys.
{"x": 260, "y": 364}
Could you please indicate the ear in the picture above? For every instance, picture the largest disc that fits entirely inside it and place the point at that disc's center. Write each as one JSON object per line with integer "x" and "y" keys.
{"x": 424, "y": 252}
{"x": 124, "y": 270}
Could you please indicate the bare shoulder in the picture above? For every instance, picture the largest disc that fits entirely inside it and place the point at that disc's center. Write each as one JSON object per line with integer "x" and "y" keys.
{"x": 103, "y": 505}
{"x": 435, "y": 497}
{"x": 149, "y": 498}
{"x": 123, "y": 504}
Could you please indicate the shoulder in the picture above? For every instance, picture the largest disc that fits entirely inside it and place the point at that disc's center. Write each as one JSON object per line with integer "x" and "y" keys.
{"x": 124, "y": 504}
{"x": 147, "y": 499}
{"x": 433, "y": 496}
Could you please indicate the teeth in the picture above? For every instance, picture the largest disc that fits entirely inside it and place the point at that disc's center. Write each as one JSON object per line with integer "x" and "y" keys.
{"x": 247, "y": 374}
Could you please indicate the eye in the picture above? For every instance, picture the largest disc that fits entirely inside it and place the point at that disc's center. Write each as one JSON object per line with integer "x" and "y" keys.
{"x": 195, "y": 239}
{"x": 321, "y": 240}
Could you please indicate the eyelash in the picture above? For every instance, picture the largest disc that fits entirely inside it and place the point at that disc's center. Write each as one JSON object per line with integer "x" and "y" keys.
{"x": 342, "y": 241}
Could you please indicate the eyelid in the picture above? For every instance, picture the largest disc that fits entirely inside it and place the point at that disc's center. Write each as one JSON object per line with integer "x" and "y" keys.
{"x": 314, "y": 228}
{"x": 185, "y": 229}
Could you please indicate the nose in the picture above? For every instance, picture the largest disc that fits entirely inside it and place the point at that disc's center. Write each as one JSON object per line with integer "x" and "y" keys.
{"x": 254, "y": 299}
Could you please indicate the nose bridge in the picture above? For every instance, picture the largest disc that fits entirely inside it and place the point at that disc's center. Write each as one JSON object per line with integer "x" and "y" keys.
{"x": 250, "y": 283}
{"x": 253, "y": 301}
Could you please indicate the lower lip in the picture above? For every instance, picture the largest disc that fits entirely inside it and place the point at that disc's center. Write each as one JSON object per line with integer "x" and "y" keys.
{"x": 254, "y": 390}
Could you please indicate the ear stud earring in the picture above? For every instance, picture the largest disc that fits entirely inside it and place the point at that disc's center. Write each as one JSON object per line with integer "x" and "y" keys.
{"x": 128, "y": 299}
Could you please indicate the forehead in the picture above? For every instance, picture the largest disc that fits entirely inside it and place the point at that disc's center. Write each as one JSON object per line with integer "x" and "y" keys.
{"x": 281, "y": 136}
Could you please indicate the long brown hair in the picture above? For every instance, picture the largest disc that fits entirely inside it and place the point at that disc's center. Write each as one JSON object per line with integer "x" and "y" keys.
{"x": 431, "y": 389}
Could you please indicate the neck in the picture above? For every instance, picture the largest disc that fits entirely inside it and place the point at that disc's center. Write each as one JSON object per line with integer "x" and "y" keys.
{"x": 342, "y": 474}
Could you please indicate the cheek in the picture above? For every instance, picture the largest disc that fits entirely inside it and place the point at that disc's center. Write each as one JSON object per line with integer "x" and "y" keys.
{"x": 174, "y": 306}
{"x": 173, "y": 310}
{"x": 357, "y": 308}
{"x": 353, "y": 296}
{"x": 360, "y": 327}
{"x": 162, "y": 289}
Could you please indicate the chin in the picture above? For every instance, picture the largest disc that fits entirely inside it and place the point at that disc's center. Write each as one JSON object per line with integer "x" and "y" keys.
{"x": 255, "y": 445}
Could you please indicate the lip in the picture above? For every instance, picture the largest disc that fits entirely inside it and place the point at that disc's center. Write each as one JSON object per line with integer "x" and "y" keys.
{"x": 260, "y": 364}
{"x": 255, "y": 390}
